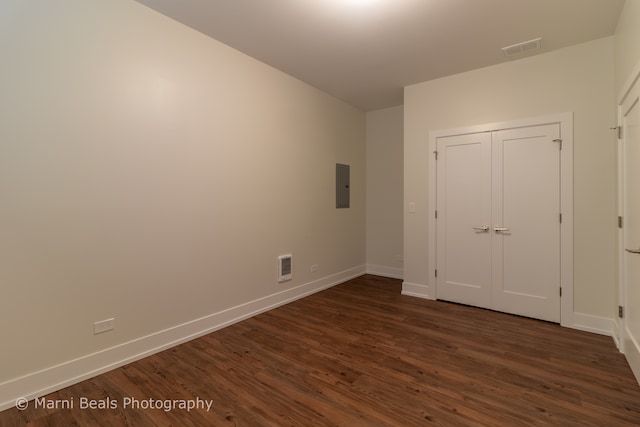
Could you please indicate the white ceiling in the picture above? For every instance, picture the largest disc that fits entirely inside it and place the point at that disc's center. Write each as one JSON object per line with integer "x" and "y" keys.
{"x": 366, "y": 51}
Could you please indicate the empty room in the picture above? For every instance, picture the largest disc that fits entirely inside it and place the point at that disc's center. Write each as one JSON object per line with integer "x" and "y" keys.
{"x": 320, "y": 212}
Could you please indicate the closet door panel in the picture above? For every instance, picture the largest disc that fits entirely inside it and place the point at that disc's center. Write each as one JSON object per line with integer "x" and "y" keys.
{"x": 526, "y": 222}
{"x": 464, "y": 215}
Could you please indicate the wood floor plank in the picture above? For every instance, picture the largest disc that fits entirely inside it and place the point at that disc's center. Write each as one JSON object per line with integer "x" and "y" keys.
{"x": 362, "y": 354}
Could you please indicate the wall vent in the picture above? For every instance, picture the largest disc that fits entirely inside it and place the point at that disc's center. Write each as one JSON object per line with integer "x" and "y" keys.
{"x": 524, "y": 47}
{"x": 285, "y": 268}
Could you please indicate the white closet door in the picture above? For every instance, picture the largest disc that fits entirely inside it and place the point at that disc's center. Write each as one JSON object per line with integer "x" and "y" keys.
{"x": 464, "y": 210}
{"x": 498, "y": 226}
{"x": 630, "y": 110}
{"x": 526, "y": 222}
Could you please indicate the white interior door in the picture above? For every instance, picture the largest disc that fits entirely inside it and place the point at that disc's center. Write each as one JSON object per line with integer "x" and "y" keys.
{"x": 498, "y": 225}
{"x": 526, "y": 220}
{"x": 464, "y": 217}
{"x": 630, "y": 110}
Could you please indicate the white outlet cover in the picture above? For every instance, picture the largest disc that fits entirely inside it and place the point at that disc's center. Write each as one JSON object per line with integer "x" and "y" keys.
{"x": 104, "y": 326}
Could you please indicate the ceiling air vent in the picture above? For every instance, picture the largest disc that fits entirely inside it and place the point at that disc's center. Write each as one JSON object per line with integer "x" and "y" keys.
{"x": 524, "y": 47}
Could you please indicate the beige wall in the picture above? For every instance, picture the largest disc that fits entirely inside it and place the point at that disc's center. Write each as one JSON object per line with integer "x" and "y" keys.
{"x": 152, "y": 174}
{"x": 384, "y": 191}
{"x": 627, "y": 43}
{"x": 578, "y": 79}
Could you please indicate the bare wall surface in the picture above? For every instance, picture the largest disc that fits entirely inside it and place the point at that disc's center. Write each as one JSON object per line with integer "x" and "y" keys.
{"x": 627, "y": 45}
{"x": 384, "y": 191}
{"x": 153, "y": 175}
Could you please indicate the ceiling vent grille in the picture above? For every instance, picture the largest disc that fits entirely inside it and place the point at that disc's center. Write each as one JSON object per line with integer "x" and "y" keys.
{"x": 521, "y": 48}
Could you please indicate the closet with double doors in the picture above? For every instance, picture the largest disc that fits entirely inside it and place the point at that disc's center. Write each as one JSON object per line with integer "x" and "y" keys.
{"x": 499, "y": 218}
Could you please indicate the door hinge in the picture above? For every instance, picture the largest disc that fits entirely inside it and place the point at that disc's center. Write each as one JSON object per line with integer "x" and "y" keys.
{"x": 436, "y": 214}
{"x": 620, "y": 311}
{"x": 435, "y": 153}
{"x": 561, "y": 291}
{"x": 436, "y": 272}
{"x": 618, "y": 130}
{"x": 560, "y": 218}
{"x": 619, "y": 222}
{"x": 559, "y": 141}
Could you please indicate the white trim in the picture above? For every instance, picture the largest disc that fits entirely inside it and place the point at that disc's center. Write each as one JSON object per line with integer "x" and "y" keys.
{"x": 385, "y": 271}
{"x": 45, "y": 381}
{"x": 566, "y": 208}
{"x": 621, "y": 274}
{"x": 431, "y": 214}
{"x": 616, "y": 334}
{"x": 566, "y": 182}
{"x": 632, "y": 353}
{"x": 496, "y": 126}
{"x": 594, "y": 324}
{"x": 416, "y": 290}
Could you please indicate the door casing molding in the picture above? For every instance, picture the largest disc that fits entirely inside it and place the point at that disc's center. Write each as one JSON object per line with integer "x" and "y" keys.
{"x": 566, "y": 199}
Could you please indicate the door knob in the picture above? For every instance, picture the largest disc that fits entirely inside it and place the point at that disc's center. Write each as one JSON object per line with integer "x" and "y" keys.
{"x": 500, "y": 229}
{"x": 633, "y": 251}
{"x": 483, "y": 228}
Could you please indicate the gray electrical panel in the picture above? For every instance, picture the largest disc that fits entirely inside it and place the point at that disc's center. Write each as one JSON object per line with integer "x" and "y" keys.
{"x": 342, "y": 186}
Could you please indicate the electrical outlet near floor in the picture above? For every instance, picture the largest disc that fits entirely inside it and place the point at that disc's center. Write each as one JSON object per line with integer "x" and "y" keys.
{"x": 104, "y": 326}
{"x": 314, "y": 268}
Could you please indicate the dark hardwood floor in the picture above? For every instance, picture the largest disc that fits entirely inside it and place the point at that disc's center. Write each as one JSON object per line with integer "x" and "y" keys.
{"x": 361, "y": 354}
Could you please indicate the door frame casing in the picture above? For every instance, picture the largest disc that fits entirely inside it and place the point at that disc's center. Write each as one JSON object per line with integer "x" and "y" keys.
{"x": 565, "y": 120}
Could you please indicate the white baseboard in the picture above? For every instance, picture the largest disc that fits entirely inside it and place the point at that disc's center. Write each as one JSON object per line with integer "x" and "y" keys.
{"x": 385, "y": 271}
{"x": 594, "y": 324}
{"x": 616, "y": 333}
{"x": 632, "y": 353}
{"x": 45, "y": 381}
{"x": 580, "y": 321}
{"x": 415, "y": 290}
